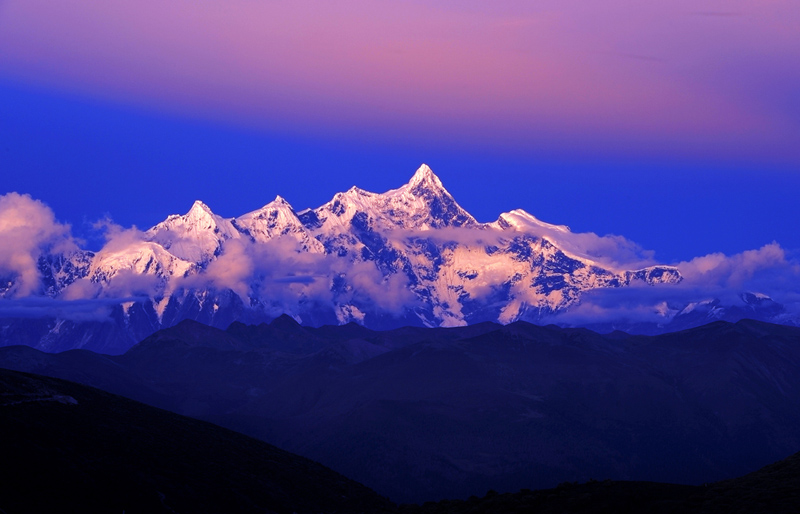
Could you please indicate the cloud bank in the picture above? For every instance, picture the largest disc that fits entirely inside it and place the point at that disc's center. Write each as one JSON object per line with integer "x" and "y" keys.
{"x": 84, "y": 309}
{"x": 769, "y": 270}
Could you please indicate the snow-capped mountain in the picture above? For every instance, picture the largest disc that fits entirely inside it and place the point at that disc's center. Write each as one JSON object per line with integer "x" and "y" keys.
{"x": 411, "y": 255}
{"x": 276, "y": 219}
{"x": 197, "y": 236}
{"x": 422, "y": 204}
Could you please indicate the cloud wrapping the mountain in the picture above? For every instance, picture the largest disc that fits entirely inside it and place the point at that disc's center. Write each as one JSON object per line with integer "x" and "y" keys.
{"x": 27, "y": 228}
{"x": 81, "y": 289}
{"x": 292, "y": 277}
{"x": 130, "y": 247}
{"x": 288, "y": 279}
{"x": 74, "y": 309}
{"x": 390, "y": 294}
{"x": 233, "y": 269}
{"x": 613, "y": 251}
{"x": 769, "y": 270}
{"x": 284, "y": 275}
{"x": 117, "y": 237}
{"x": 128, "y": 283}
{"x": 738, "y": 270}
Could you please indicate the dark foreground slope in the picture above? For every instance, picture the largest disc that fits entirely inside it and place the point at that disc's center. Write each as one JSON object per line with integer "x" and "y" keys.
{"x": 70, "y": 448}
{"x": 774, "y": 489}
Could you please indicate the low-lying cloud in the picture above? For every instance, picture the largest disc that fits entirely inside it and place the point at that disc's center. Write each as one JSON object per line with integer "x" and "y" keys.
{"x": 87, "y": 309}
{"x": 611, "y": 251}
{"x": 769, "y": 270}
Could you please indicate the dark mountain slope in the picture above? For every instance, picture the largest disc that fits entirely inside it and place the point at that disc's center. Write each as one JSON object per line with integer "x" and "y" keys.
{"x": 774, "y": 489}
{"x": 71, "y": 448}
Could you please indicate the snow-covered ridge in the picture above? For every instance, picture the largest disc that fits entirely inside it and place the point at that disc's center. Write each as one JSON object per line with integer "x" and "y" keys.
{"x": 275, "y": 219}
{"x": 410, "y": 253}
{"x": 522, "y": 221}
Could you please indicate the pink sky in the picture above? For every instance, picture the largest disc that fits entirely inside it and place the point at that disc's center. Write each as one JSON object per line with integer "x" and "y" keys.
{"x": 708, "y": 79}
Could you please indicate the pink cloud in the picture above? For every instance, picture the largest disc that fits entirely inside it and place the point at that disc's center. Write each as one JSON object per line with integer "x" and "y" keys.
{"x": 117, "y": 237}
{"x": 233, "y": 270}
{"x": 27, "y": 228}
{"x": 130, "y": 284}
{"x": 769, "y": 270}
{"x": 612, "y": 251}
{"x": 288, "y": 279}
{"x": 82, "y": 288}
{"x": 610, "y": 76}
{"x": 719, "y": 270}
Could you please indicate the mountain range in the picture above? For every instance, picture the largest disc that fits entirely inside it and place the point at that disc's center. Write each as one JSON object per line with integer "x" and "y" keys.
{"x": 411, "y": 256}
{"x": 421, "y": 414}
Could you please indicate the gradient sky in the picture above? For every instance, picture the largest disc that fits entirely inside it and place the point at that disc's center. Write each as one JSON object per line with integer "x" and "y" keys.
{"x": 675, "y": 124}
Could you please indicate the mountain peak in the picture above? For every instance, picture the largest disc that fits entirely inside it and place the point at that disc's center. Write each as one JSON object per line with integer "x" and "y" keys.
{"x": 199, "y": 211}
{"x": 279, "y": 201}
{"x": 195, "y": 236}
{"x": 425, "y": 177}
{"x": 356, "y": 191}
{"x": 198, "y": 207}
{"x": 278, "y": 204}
{"x": 422, "y": 203}
{"x": 200, "y": 214}
{"x": 519, "y": 219}
{"x": 285, "y": 322}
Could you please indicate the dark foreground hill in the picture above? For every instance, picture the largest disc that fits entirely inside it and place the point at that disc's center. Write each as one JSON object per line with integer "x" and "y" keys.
{"x": 774, "y": 489}
{"x": 423, "y": 414}
{"x": 70, "y": 448}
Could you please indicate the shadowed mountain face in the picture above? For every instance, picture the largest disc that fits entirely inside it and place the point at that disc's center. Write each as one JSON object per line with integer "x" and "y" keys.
{"x": 422, "y": 414}
{"x": 71, "y": 448}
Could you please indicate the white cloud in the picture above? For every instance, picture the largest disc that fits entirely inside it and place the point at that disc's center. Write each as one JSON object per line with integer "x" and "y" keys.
{"x": 770, "y": 270}
{"x": 738, "y": 270}
{"x": 27, "y": 228}
{"x": 233, "y": 269}
{"x": 118, "y": 237}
